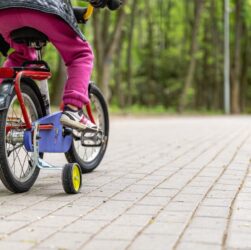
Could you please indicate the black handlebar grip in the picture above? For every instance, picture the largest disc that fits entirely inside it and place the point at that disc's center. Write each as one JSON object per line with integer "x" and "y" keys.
{"x": 79, "y": 13}
{"x": 113, "y": 4}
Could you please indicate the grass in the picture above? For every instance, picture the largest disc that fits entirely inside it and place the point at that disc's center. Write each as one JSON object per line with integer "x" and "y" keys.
{"x": 137, "y": 110}
{"x": 158, "y": 110}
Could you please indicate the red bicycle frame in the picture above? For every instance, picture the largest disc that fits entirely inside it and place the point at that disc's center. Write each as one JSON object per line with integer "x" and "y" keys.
{"x": 35, "y": 75}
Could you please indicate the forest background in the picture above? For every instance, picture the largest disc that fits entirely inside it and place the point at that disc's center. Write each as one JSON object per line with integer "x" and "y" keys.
{"x": 166, "y": 56}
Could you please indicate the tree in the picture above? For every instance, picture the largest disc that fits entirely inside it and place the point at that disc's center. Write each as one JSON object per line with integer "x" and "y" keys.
{"x": 129, "y": 51}
{"x": 59, "y": 82}
{"x": 194, "y": 48}
{"x": 106, "y": 38}
{"x": 236, "y": 69}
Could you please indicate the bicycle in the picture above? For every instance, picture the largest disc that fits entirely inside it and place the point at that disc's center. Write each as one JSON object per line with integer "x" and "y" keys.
{"x": 28, "y": 129}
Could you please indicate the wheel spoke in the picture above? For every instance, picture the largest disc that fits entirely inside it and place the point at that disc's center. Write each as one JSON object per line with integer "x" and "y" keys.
{"x": 17, "y": 155}
{"x": 21, "y": 166}
{"x": 14, "y": 148}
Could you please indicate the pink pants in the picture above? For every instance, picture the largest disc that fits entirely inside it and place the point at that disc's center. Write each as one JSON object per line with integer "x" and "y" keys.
{"x": 75, "y": 52}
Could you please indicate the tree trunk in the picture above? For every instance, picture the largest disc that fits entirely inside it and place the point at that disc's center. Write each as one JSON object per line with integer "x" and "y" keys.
{"x": 129, "y": 53}
{"x": 203, "y": 84}
{"x": 194, "y": 48}
{"x": 59, "y": 83}
{"x": 216, "y": 51}
{"x": 119, "y": 86}
{"x": 244, "y": 71}
{"x": 237, "y": 59}
{"x": 105, "y": 44}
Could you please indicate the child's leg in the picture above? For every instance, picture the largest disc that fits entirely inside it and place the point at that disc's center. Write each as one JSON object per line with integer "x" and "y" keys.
{"x": 77, "y": 54}
{"x": 9, "y": 21}
{"x": 22, "y": 53}
{"x": 79, "y": 62}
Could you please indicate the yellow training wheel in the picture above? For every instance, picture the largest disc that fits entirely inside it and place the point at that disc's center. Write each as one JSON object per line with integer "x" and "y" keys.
{"x": 72, "y": 178}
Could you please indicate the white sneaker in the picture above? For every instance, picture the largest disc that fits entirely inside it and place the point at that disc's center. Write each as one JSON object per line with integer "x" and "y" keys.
{"x": 76, "y": 120}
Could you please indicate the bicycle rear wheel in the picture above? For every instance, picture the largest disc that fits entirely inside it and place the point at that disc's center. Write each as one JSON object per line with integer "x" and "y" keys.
{"x": 16, "y": 172}
{"x": 89, "y": 158}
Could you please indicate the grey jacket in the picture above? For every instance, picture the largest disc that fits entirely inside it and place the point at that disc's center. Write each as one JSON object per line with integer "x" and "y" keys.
{"x": 61, "y": 8}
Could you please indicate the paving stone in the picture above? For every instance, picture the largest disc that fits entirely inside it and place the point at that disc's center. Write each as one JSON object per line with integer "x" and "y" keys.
{"x": 181, "y": 206}
{"x": 242, "y": 226}
{"x": 203, "y": 235}
{"x": 53, "y": 221}
{"x": 198, "y": 246}
{"x": 127, "y": 196}
{"x": 222, "y": 194}
{"x": 65, "y": 240}
{"x": 153, "y": 200}
{"x": 72, "y": 210}
{"x": 156, "y": 242}
{"x": 86, "y": 226}
{"x": 168, "y": 228}
{"x": 7, "y": 227}
{"x": 118, "y": 232}
{"x": 133, "y": 220}
{"x": 7, "y": 210}
{"x": 213, "y": 211}
{"x": 101, "y": 215}
{"x": 195, "y": 190}
{"x": 208, "y": 222}
{"x": 242, "y": 214}
{"x": 139, "y": 188}
{"x": 188, "y": 198}
{"x": 49, "y": 205}
{"x": 31, "y": 234}
{"x": 7, "y": 245}
{"x": 215, "y": 202}
{"x": 173, "y": 216}
{"x": 28, "y": 215}
{"x": 238, "y": 240}
{"x": 144, "y": 210}
{"x": 106, "y": 245}
{"x": 163, "y": 192}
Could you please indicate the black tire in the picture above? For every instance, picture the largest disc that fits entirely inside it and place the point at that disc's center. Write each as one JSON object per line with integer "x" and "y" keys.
{"x": 68, "y": 178}
{"x": 72, "y": 156}
{"x": 7, "y": 176}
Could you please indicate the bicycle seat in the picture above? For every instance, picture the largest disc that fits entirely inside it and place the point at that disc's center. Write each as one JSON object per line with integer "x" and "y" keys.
{"x": 29, "y": 36}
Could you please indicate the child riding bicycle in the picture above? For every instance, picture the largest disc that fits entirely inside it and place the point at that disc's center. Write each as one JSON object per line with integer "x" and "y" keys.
{"x": 54, "y": 18}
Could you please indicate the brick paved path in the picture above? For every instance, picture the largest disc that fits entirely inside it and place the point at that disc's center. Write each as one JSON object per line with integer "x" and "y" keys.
{"x": 166, "y": 183}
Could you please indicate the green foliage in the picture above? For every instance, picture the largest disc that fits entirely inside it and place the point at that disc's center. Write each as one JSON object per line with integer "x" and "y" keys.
{"x": 161, "y": 54}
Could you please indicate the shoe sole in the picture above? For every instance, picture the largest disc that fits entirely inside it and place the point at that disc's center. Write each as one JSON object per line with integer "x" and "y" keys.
{"x": 72, "y": 124}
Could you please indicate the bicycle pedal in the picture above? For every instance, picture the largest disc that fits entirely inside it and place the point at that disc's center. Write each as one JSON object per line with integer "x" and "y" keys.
{"x": 91, "y": 138}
